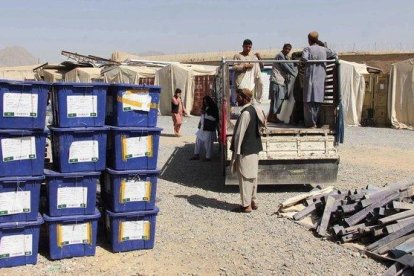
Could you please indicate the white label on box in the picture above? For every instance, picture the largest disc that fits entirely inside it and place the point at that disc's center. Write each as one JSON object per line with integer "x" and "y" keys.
{"x": 136, "y": 100}
{"x": 133, "y": 190}
{"x": 82, "y": 106}
{"x": 84, "y": 151}
{"x": 15, "y": 246}
{"x": 21, "y": 148}
{"x": 14, "y": 203}
{"x": 74, "y": 234}
{"x": 135, "y": 230}
{"x": 137, "y": 147}
{"x": 20, "y": 105}
{"x": 382, "y": 86}
{"x": 72, "y": 197}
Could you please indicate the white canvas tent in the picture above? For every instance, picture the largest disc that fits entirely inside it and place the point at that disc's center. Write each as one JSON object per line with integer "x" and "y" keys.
{"x": 401, "y": 95}
{"x": 53, "y": 75}
{"x": 128, "y": 74}
{"x": 84, "y": 74}
{"x": 18, "y": 73}
{"x": 180, "y": 76}
{"x": 353, "y": 91}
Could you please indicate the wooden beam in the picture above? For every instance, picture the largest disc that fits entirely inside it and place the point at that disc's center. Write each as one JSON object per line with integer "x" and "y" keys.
{"x": 354, "y": 219}
{"x": 330, "y": 206}
{"x": 403, "y": 231}
{"x": 397, "y": 216}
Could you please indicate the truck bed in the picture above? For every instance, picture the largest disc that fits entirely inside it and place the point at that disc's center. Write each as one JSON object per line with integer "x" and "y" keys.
{"x": 293, "y": 155}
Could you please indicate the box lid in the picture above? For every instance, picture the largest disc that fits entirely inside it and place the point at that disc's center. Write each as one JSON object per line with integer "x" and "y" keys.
{"x": 24, "y": 83}
{"x": 51, "y": 173}
{"x": 112, "y": 171}
{"x": 24, "y": 131}
{"x": 13, "y": 179}
{"x": 143, "y": 129}
{"x": 79, "y": 129}
{"x": 76, "y": 218}
{"x": 81, "y": 84}
{"x": 21, "y": 224}
{"x": 134, "y": 214}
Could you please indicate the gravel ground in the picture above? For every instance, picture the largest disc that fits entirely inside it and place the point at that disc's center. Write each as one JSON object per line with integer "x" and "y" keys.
{"x": 196, "y": 233}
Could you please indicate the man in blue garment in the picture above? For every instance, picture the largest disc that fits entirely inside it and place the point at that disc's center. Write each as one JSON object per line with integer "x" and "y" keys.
{"x": 314, "y": 79}
{"x": 282, "y": 75}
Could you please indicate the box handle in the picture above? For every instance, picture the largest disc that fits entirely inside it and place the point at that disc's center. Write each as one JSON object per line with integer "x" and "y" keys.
{"x": 83, "y": 86}
{"x": 21, "y": 84}
{"x": 84, "y": 131}
{"x": 14, "y": 181}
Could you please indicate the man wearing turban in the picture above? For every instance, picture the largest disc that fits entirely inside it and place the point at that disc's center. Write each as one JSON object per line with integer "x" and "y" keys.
{"x": 314, "y": 79}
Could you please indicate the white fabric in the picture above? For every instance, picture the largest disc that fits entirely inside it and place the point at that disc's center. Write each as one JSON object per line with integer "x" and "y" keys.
{"x": 129, "y": 74}
{"x": 180, "y": 76}
{"x": 287, "y": 106}
{"x": 252, "y": 80}
{"x": 401, "y": 95}
{"x": 353, "y": 91}
{"x": 122, "y": 56}
{"x": 82, "y": 74}
{"x": 205, "y": 135}
{"x": 53, "y": 75}
{"x": 266, "y": 84}
{"x": 205, "y": 139}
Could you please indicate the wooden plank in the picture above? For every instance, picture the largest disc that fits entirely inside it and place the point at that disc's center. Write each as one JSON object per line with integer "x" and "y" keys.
{"x": 309, "y": 209}
{"x": 407, "y": 229}
{"x": 354, "y": 228}
{"x": 397, "y": 226}
{"x": 403, "y": 184}
{"x": 330, "y": 206}
{"x": 293, "y": 200}
{"x": 404, "y": 248}
{"x": 387, "y": 247}
{"x": 354, "y": 219}
{"x": 407, "y": 260}
{"x": 348, "y": 208}
{"x": 394, "y": 269}
{"x": 398, "y": 216}
{"x": 402, "y": 205}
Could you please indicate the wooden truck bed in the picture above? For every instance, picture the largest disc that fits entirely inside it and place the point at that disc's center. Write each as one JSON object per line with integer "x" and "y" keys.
{"x": 293, "y": 155}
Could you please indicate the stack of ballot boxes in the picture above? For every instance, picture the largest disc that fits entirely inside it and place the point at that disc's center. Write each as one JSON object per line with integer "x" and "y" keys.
{"x": 130, "y": 182}
{"x": 79, "y": 138}
{"x": 22, "y": 148}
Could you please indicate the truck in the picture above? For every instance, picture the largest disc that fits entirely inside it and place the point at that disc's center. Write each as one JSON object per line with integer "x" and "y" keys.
{"x": 291, "y": 154}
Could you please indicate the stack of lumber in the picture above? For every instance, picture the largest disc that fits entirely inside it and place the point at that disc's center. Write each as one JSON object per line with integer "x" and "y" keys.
{"x": 380, "y": 219}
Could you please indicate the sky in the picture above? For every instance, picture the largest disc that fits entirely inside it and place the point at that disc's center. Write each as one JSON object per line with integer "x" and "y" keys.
{"x": 45, "y": 28}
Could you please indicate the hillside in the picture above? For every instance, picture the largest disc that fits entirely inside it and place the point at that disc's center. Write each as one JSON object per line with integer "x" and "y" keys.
{"x": 16, "y": 56}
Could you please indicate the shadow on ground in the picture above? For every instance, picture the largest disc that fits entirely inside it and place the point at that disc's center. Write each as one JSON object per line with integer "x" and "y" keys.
{"x": 206, "y": 202}
{"x": 209, "y": 175}
{"x": 168, "y": 135}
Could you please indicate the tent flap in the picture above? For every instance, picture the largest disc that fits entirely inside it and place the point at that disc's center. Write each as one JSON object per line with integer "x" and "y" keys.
{"x": 401, "y": 95}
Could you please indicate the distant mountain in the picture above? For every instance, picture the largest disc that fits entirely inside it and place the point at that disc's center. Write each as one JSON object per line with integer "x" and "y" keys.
{"x": 16, "y": 56}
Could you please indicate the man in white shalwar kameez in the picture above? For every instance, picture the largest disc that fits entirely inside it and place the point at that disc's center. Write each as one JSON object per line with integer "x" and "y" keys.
{"x": 246, "y": 145}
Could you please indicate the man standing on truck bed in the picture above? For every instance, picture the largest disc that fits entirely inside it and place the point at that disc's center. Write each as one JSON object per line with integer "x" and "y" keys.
{"x": 246, "y": 74}
{"x": 314, "y": 79}
{"x": 246, "y": 144}
{"x": 281, "y": 76}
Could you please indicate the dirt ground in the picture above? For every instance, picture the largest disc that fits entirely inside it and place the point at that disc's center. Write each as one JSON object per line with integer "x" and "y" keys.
{"x": 198, "y": 235}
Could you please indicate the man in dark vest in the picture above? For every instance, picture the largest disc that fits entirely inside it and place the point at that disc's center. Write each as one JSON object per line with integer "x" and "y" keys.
{"x": 246, "y": 144}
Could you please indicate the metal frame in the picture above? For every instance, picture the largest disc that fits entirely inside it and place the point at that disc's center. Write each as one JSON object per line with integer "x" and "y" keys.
{"x": 223, "y": 98}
